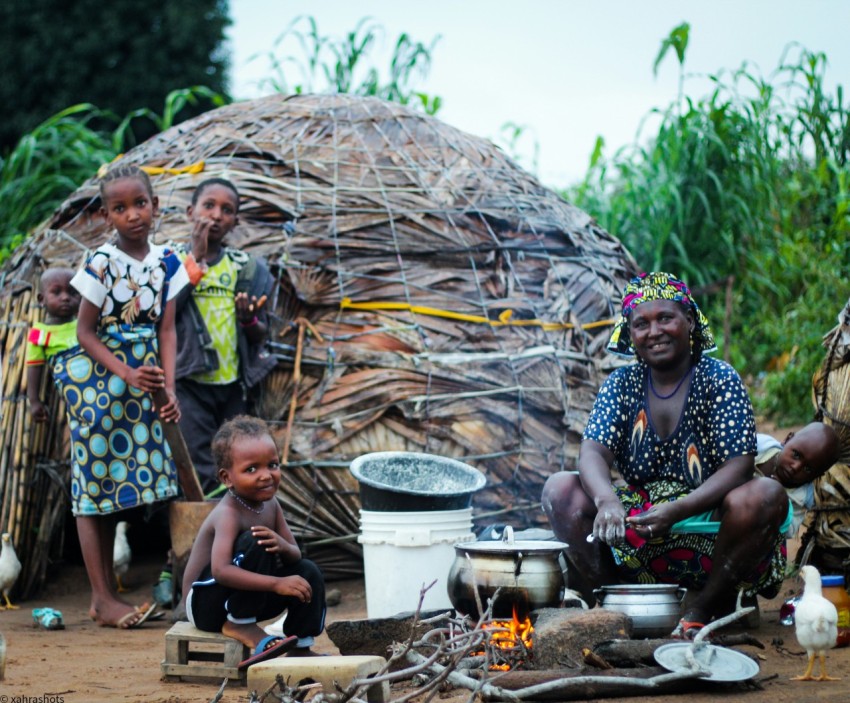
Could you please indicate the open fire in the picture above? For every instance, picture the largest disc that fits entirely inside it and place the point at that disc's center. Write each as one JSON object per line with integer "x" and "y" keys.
{"x": 509, "y": 642}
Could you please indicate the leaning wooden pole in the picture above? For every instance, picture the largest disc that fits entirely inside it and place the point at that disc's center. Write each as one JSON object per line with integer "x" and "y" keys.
{"x": 187, "y": 477}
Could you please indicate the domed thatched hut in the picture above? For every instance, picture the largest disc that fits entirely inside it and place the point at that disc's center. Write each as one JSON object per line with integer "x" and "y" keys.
{"x": 431, "y": 296}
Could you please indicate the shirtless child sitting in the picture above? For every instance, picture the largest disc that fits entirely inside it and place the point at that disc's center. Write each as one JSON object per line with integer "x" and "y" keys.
{"x": 245, "y": 566}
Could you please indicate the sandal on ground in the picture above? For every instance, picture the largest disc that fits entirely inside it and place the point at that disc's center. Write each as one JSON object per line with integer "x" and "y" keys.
{"x": 269, "y": 648}
{"x": 686, "y": 630}
{"x": 135, "y": 618}
{"x": 150, "y": 612}
{"x": 47, "y": 618}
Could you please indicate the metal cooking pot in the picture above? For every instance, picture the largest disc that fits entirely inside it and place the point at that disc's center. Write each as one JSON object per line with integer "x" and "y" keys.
{"x": 653, "y": 608}
{"x": 530, "y": 574}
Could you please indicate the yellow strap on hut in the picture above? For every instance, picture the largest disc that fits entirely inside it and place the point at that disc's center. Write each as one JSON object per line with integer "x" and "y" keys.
{"x": 504, "y": 319}
{"x": 196, "y": 167}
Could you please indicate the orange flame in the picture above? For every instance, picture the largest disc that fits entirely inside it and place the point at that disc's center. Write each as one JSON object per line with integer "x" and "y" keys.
{"x": 510, "y": 635}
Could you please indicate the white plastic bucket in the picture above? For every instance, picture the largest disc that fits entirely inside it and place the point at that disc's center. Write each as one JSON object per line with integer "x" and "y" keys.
{"x": 402, "y": 552}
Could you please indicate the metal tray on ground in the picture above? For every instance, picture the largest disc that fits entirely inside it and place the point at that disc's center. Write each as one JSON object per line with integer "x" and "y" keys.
{"x": 723, "y": 663}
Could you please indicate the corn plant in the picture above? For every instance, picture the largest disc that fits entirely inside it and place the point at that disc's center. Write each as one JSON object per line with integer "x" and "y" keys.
{"x": 175, "y": 102}
{"x": 749, "y": 181}
{"x": 46, "y": 165}
{"x": 64, "y": 151}
{"x": 320, "y": 63}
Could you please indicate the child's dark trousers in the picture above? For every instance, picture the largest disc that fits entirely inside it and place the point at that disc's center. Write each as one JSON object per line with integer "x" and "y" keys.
{"x": 212, "y": 603}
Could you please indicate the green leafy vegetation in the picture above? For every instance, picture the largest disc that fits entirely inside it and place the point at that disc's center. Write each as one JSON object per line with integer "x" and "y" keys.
{"x": 45, "y": 166}
{"x": 55, "y": 158}
{"x": 326, "y": 64}
{"x": 747, "y": 185}
{"x": 49, "y": 162}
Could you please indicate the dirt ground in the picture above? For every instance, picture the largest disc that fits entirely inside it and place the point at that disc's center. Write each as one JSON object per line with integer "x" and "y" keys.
{"x": 85, "y": 663}
{"x": 89, "y": 664}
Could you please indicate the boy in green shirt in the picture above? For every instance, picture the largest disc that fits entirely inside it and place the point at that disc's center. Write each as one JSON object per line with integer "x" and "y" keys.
{"x": 222, "y": 325}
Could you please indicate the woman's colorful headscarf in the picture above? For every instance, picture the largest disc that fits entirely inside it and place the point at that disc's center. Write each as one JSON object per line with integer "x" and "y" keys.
{"x": 658, "y": 286}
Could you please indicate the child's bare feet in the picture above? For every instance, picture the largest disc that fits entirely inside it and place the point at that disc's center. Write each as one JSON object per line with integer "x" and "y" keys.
{"x": 262, "y": 646}
{"x": 248, "y": 634}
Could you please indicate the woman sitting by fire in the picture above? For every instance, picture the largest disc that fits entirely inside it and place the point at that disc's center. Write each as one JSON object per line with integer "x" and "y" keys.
{"x": 679, "y": 428}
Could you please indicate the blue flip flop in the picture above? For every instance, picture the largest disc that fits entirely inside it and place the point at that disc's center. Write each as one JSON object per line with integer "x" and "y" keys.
{"x": 269, "y": 648}
{"x": 47, "y": 618}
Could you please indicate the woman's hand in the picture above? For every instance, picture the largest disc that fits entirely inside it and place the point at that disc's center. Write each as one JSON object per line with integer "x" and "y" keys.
{"x": 146, "y": 378}
{"x": 609, "y": 525}
{"x": 655, "y": 522}
{"x": 294, "y": 586}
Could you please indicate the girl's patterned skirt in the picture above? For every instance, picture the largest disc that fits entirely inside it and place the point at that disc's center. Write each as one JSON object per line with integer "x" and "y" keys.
{"x": 119, "y": 457}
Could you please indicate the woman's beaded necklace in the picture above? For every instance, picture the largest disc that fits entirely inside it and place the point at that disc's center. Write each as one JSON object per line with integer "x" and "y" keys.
{"x": 674, "y": 391}
{"x": 245, "y": 504}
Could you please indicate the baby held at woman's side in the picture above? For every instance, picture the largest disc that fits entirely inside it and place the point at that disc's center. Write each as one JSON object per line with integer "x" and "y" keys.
{"x": 805, "y": 455}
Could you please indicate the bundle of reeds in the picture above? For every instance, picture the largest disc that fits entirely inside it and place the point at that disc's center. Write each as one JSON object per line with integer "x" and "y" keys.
{"x": 431, "y": 295}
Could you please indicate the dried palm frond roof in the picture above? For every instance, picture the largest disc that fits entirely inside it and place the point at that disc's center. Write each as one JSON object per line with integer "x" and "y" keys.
{"x": 445, "y": 300}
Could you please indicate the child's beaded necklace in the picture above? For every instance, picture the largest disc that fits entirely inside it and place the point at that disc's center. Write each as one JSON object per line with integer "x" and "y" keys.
{"x": 246, "y": 505}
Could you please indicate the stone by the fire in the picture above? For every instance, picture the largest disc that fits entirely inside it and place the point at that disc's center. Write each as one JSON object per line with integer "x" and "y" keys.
{"x": 561, "y": 633}
{"x": 374, "y": 636}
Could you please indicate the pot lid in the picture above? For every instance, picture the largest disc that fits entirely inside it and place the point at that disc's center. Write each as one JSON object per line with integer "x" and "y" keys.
{"x": 641, "y": 588}
{"x": 500, "y": 547}
{"x": 724, "y": 664}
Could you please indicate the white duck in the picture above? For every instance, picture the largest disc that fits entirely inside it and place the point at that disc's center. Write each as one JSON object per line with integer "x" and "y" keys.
{"x": 816, "y": 623}
{"x": 10, "y": 569}
{"x": 121, "y": 554}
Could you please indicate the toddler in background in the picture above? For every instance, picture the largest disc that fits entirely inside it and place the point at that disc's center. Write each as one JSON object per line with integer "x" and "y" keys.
{"x": 54, "y": 336}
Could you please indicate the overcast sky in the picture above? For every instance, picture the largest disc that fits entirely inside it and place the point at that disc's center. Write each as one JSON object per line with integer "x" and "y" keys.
{"x": 567, "y": 70}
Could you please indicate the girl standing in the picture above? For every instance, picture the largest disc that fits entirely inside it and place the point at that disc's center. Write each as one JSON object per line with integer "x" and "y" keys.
{"x": 125, "y": 327}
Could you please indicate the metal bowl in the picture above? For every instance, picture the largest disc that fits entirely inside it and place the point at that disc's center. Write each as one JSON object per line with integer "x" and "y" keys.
{"x": 408, "y": 481}
{"x": 653, "y": 608}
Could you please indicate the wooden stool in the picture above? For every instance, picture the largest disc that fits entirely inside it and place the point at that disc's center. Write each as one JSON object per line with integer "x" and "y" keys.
{"x": 212, "y": 655}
